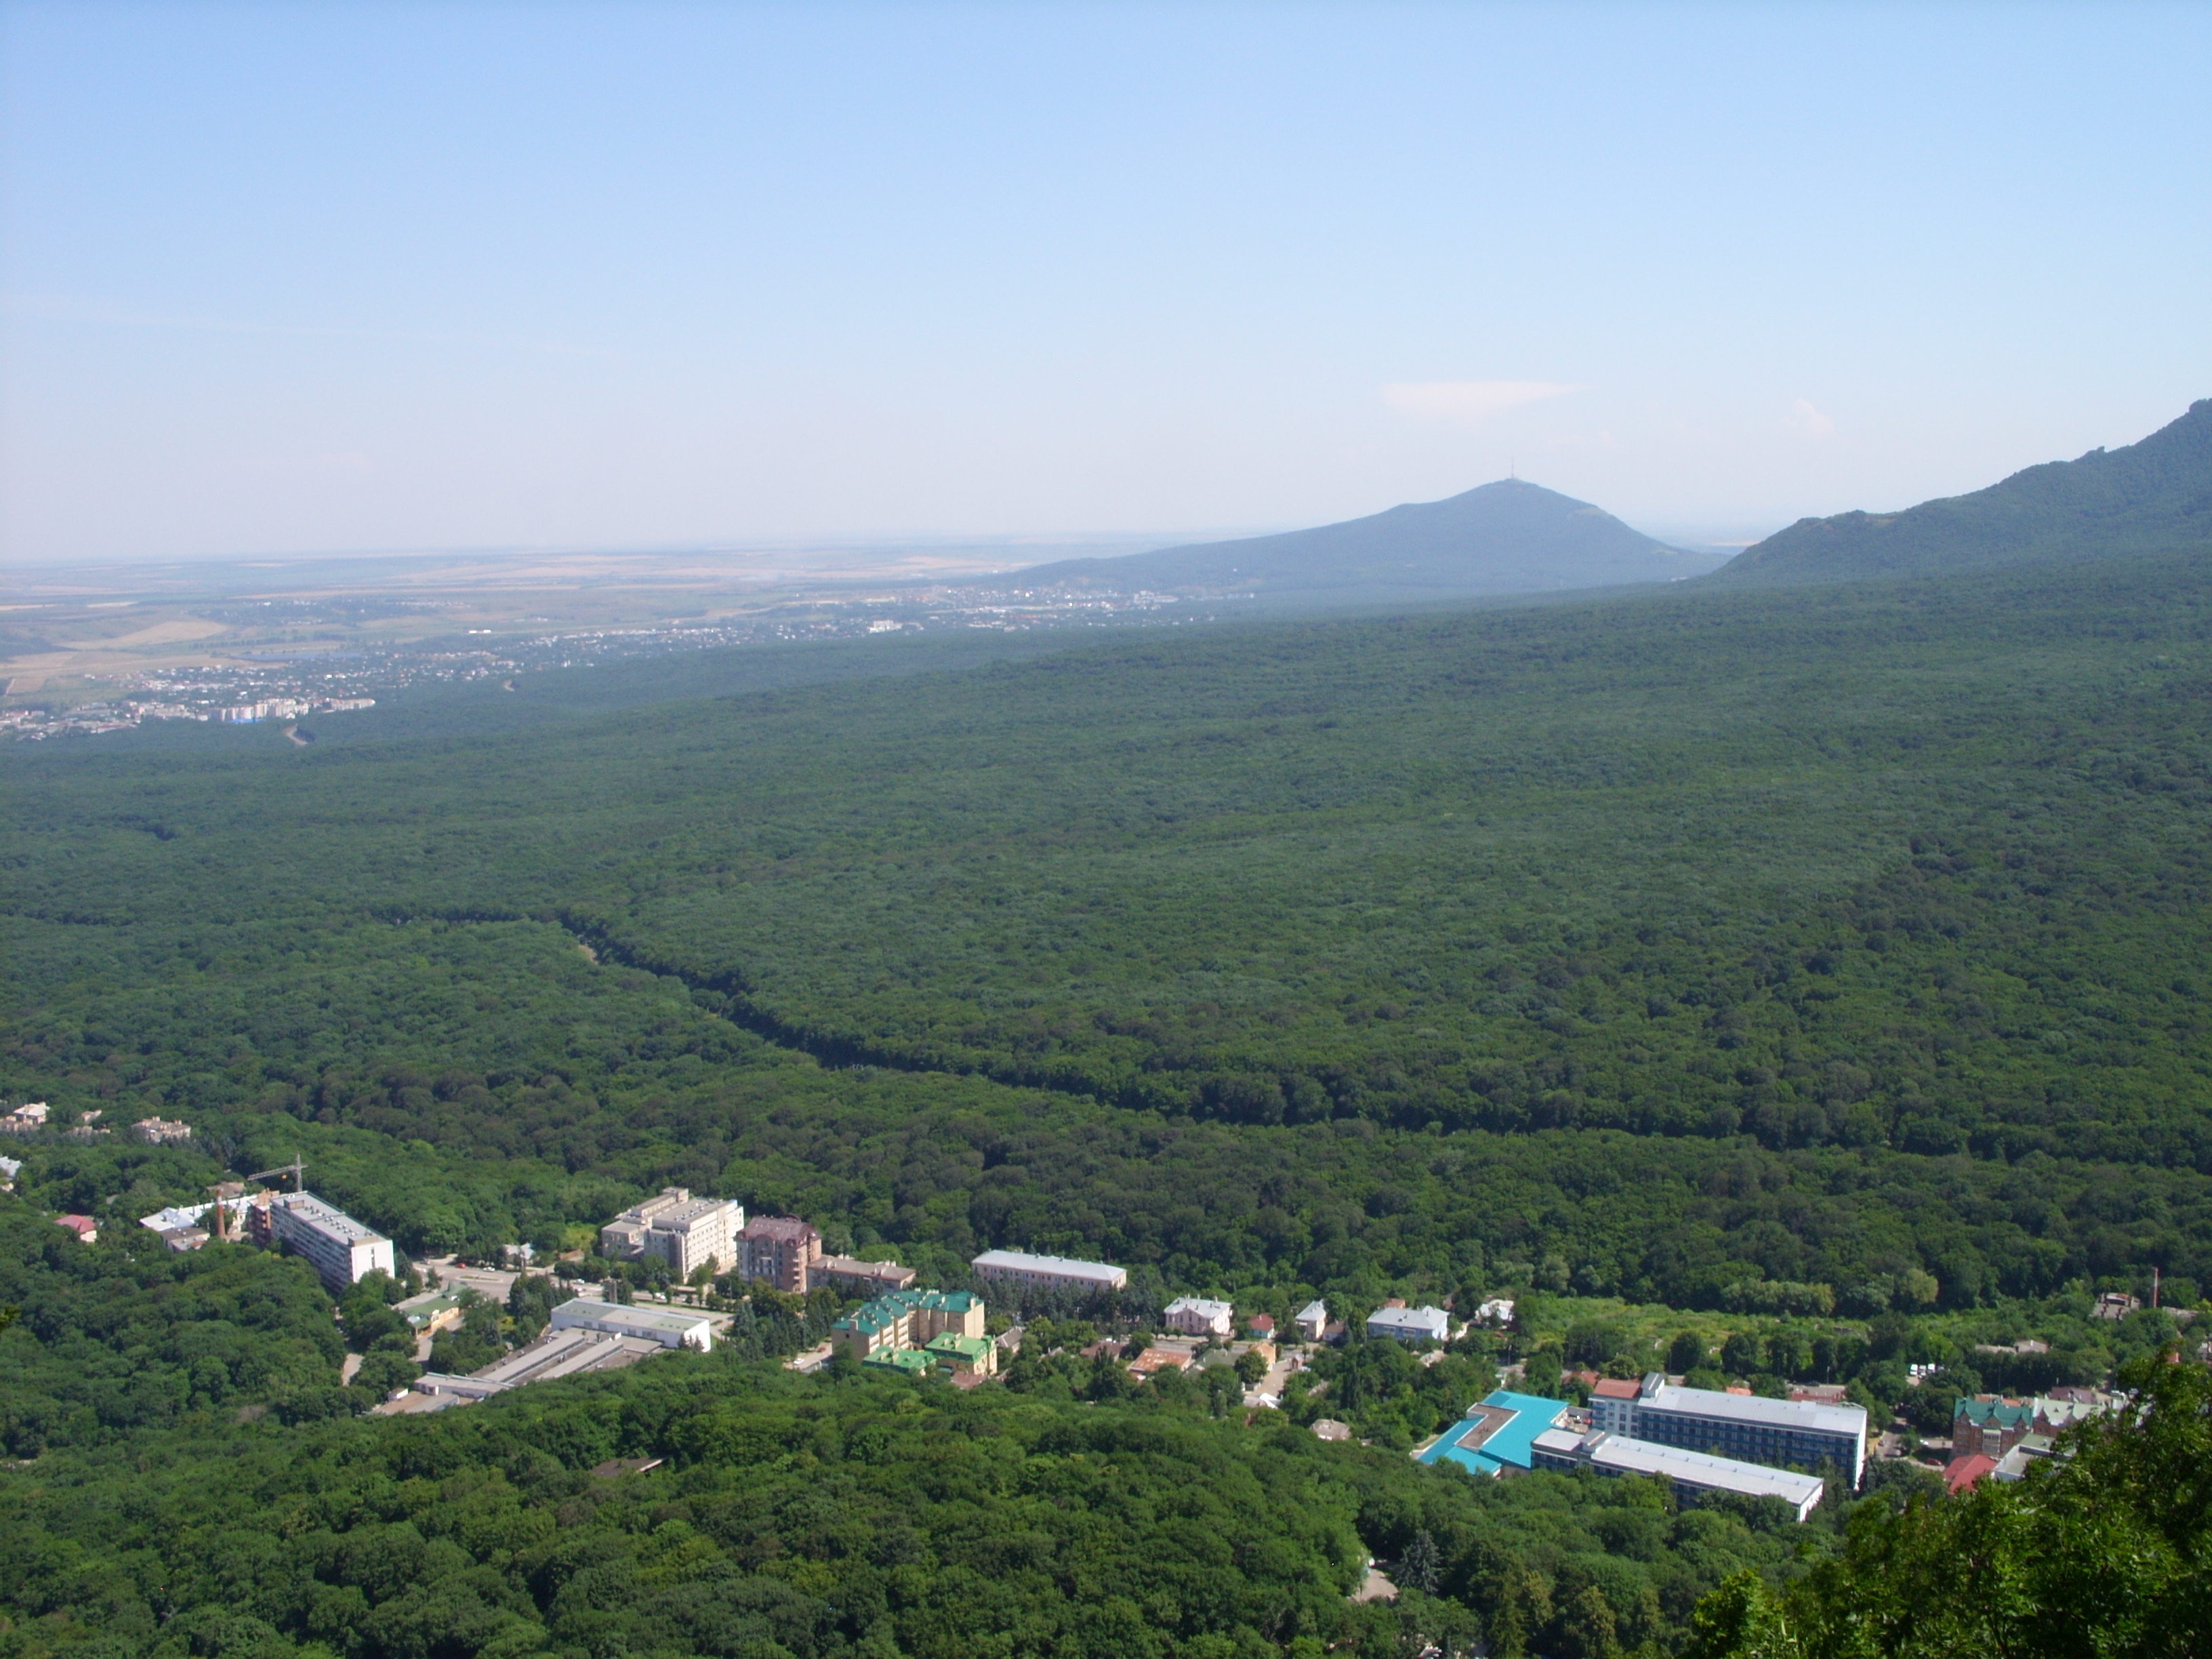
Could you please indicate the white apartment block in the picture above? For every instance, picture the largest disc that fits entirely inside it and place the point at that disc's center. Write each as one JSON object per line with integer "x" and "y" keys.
{"x": 688, "y": 1233}
{"x": 1020, "y": 1268}
{"x": 1195, "y": 1317}
{"x": 340, "y": 1249}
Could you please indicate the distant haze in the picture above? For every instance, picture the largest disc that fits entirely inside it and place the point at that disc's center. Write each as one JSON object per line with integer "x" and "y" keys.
{"x": 282, "y": 279}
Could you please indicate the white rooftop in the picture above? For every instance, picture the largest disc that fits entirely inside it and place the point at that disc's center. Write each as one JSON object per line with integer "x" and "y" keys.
{"x": 1199, "y": 1306}
{"x": 1061, "y": 1267}
{"x": 1426, "y": 1320}
{"x": 1802, "y": 1414}
{"x": 332, "y": 1219}
{"x": 1627, "y": 1456}
{"x": 643, "y": 1319}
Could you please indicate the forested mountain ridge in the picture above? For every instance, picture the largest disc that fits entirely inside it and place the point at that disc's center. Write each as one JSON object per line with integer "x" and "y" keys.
{"x": 1509, "y": 537}
{"x": 2148, "y": 497}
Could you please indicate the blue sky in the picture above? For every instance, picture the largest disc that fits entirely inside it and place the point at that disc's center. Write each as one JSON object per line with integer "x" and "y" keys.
{"x": 282, "y": 277}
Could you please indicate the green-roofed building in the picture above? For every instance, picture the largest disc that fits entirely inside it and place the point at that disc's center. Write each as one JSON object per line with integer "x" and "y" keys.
{"x": 906, "y": 1362}
{"x": 975, "y": 1354}
{"x": 1989, "y": 1425}
{"x": 884, "y": 1325}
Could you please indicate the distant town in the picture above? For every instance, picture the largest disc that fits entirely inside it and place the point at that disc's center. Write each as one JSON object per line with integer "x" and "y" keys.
{"x": 279, "y": 682}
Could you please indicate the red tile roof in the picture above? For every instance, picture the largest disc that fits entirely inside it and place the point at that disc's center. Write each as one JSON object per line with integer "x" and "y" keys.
{"x": 1962, "y": 1472}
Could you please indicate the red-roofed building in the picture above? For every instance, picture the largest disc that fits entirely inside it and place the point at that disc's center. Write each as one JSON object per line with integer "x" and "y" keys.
{"x": 1613, "y": 1404}
{"x": 1961, "y": 1473}
{"x": 1261, "y": 1325}
{"x": 83, "y": 1226}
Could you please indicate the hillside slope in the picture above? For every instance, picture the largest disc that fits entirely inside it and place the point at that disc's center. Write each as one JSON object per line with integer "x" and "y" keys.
{"x": 1510, "y": 537}
{"x": 2150, "y": 498}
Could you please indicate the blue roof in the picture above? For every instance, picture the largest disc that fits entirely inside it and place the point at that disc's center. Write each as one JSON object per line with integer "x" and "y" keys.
{"x": 1507, "y": 1447}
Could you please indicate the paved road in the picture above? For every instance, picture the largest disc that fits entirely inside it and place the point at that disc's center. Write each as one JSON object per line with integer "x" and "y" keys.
{"x": 1277, "y": 1380}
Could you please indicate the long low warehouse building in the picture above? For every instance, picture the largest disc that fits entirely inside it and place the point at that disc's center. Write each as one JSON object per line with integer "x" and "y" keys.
{"x": 669, "y": 1327}
{"x": 1693, "y": 1474}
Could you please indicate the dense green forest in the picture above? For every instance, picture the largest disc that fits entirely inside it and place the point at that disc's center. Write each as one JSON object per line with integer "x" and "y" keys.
{"x": 831, "y": 1516}
{"x": 1811, "y": 981}
{"x": 1902, "y": 886}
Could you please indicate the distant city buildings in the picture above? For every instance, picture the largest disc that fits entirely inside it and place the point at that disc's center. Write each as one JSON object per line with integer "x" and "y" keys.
{"x": 162, "y": 1132}
{"x": 1050, "y": 1272}
{"x": 271, "y": 708}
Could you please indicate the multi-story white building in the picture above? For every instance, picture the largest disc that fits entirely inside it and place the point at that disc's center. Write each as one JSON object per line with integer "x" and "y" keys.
{"x": 1312, "y": 1321}
{"x": 1195, "y": 1317}
{"x": 341, "y": 1250}
{"x": 1613, "y": 1404}
{"x": 688, "y": 1233}
{"x": 1410, "y": 1324}
{"x": 1776, "y": 1432}
{"x": 1693, "y": 1474}
{"x": 1020, "y": 1268}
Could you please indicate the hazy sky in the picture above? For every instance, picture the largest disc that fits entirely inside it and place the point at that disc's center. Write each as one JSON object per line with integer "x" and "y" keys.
{"x": 288, "y": 278}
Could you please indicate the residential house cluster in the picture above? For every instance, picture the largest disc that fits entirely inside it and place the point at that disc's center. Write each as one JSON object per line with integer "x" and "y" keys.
{"x": 27, "y": 1119}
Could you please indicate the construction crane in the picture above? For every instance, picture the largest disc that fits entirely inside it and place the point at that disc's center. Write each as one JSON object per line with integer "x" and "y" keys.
{"x": 295, "y": 1168}
{"x": 225, "y": 1191}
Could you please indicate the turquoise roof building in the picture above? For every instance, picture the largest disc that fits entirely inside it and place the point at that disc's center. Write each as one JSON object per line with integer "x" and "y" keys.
{"x": 1496, "y": 1436}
